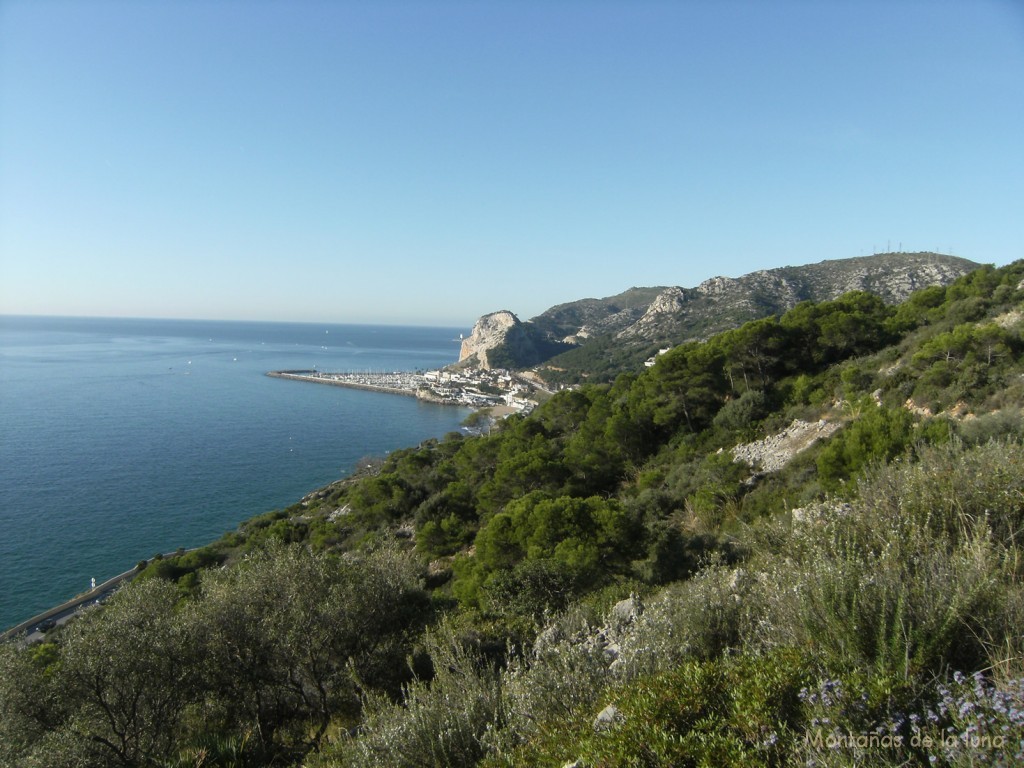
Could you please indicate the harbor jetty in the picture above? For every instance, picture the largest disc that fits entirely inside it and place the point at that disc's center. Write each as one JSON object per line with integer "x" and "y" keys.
{"x": 466, "y": 388}
{"x": 396, "y": 383}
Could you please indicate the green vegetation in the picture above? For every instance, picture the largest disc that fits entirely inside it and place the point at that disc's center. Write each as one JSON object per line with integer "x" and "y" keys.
{"x": 601, "y": 583}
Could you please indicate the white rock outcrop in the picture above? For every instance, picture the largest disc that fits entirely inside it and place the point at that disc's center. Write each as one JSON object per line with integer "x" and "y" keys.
{"x": 776, "y": 451}
{"x": 665, "y": 309}
{"x": 608, "y": 718}
{"x": 489, "y": 331}
{"x": 499, "y": 329}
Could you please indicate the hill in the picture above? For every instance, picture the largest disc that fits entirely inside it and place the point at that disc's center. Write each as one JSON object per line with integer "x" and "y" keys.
{"x": 619, "y": 332}
{"x": 794, "y": 542}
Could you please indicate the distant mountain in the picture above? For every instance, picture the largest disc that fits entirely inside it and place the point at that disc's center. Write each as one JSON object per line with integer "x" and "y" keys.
{"x": 631, "y": 322}
{"x": 723, "y": 302}
{"x": 579, "y": 320}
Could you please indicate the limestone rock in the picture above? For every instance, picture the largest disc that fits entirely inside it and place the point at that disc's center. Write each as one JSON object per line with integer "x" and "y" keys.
{"x": 668, "y": 305}
{"x": 775, "y": 451}
{"x": 1010, "y": 319}
{"x": 608, "y": 718}
{"x": 520, "y": 344}
{"x": 626, "y": 611}
{"x": 720, "y": 303}
{"x": 497, "y": 329}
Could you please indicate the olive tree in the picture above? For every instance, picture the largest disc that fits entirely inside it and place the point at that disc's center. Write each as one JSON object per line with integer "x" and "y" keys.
{"x": 27, "y": 708}
{"x": 114, "y": 692}
{"x": 289, "y": 635}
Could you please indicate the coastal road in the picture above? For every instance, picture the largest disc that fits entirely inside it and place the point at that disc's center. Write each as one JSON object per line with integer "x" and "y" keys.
{"x": 34, "y": 630}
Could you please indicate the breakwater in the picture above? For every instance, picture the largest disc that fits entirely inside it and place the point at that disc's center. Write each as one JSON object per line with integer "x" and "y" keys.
{"x": 469, "y": 388}
{"x": 396, "y": 383}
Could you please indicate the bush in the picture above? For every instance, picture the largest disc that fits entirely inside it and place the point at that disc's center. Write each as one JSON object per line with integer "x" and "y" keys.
{"x": 585, "y": 539}
{"x": 951, "y": 487}
{"x": 738, "y": 711}
{"x": 532, "y": 588}
{"x": 911, "y": 578}
{"x": 558, "y": 680}
{"x": 998, "y": 425}
{"x": 287, "y": 634}
{"x": 697, "y": 619}
{"x": 739, "y": 415}
{"x": 876, "y": 434}
{"x": 965, "y": 721}
{"x": 441, "y": 722}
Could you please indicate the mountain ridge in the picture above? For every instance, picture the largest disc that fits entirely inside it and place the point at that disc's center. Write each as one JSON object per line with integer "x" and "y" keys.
{"x": 644, "y": 316}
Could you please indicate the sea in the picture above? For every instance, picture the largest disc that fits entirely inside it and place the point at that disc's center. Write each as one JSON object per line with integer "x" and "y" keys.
{"x": 124, "y": 438}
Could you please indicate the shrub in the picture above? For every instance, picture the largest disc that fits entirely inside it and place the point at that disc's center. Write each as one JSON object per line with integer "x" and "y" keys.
{"x": 967, "y": 721}
{"x": 737, "y": 711}
{"x": 444, "y": 722}
{"x": 877, "y": 434}
{"x": 998, "y": 425}
{"x": 532, "y": 588}
{"x": 559, "y": 680}
{"x": 948, "y": 489}
{"x": 287, "y": 633}
{"x": 911, "y": 578}
{"x": 739, "y": 414}
{"x": 697, "y": 619}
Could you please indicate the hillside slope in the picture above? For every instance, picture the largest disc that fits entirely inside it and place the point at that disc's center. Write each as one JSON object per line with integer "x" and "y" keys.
{"x": 809, "y": 519}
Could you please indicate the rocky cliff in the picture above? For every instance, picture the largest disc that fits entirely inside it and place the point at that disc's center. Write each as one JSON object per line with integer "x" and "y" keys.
{"x": 489, "y": 332}
{"x": 576, "y": 321}
{"x": 502, "y": 340}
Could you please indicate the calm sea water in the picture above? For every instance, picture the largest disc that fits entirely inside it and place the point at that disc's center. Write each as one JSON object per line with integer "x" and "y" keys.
{"x": 123, "y": 438}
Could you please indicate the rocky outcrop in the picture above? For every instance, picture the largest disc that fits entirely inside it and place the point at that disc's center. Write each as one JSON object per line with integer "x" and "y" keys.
{"x": 592, "y": 317}
{"x": 775, "y": 451}
{"x": 721, "y": 303}
{"x": 668, "y": 305}
{"x": 608, "y": 718}
{"x": 489, "y": 332}
{"x": 608, "y": 324}
{"x": 502, "y": 340}
{"x": 892, "y": 279}
{"x": 1010, "y": 319}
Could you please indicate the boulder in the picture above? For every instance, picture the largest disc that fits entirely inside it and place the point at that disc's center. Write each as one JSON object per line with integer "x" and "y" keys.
{"x": 608, "y": 718}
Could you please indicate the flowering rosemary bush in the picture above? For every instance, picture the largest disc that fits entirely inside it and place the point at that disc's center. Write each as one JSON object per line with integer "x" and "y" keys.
{"x": 970, "y": 722}
{"x": 974, "y": 723}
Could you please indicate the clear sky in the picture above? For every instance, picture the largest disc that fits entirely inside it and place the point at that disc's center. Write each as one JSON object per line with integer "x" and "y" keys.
{"x": 428, "y": 162}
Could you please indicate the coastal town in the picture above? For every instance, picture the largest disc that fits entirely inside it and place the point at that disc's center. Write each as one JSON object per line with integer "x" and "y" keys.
{"x": 470, "y": 387}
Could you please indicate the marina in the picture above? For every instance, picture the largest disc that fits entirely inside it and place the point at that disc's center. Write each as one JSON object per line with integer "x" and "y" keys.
{"x": 396, "y": 383}
{"x": 472, "y": 388}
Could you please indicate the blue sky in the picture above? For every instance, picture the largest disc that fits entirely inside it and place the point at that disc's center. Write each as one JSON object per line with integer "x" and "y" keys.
{"x": 428, "y": 162}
